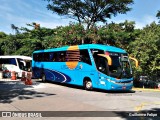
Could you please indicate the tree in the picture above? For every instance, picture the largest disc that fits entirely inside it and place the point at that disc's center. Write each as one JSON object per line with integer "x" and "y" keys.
{"x": 2, "y": 35}
{"x": 38, "y": 34}
{"x": 72, "y": 34}
{"x": 15, "y": 28}
{"x": 2, "y": 38}
{"x": 119, "y": 35}
{"x": 146, "y": 49}
{"x": 89, "y": 11}
{"x": 158, "y": 15}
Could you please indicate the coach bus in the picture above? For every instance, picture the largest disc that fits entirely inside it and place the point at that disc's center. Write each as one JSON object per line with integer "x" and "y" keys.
{"x": 90, "y": 65}
{"x": 17, "y": 63}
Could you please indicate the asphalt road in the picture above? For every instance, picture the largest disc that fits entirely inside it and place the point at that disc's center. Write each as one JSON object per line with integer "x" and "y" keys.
{"x": 16, "y": 96}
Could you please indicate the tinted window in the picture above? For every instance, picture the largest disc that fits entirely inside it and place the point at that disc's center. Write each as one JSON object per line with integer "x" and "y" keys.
{"x": 50, "y": 56}
{"x": 37, "y": 57}
{"x": 21, "y": 64}
{"x": 101, "y": 64}
{"x": 96, "y": 51}
{"x": 8, "y": 61}
{"x": 57, "y": 56}
{"x": 62, "y": 56}
{"x": 84, "y": 57}
{"x": 45, "y": 57}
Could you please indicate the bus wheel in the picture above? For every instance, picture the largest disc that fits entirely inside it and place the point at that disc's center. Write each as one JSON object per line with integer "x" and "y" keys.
{"x": 88, "y": 84}
{"x": 43, "y": 78}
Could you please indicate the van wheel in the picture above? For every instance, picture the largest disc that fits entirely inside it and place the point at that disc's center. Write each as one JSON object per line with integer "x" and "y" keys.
{"x": 43, "y": 78}
{"x": 88, "y": 85}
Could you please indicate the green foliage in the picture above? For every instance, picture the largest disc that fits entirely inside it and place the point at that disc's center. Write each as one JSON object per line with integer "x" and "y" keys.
{"x": 119, "y": 35}
{"x": 158, "y": 15}
{"x": 146, "y": 49}
{"x": 2, "y": 35}
{"x": 69, "y": 35}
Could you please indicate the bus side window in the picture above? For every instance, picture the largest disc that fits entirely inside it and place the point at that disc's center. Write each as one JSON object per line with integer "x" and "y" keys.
{"x": 84, "y": 57}
{"x": 46, "y": 57}
{"x": 51, "y": 54}
{"x": 41, "y": 57}
{"x": 35, "y": 57}
{"x": 10, "y": 61}
{"x": 62, "y": 56}
{"x": 55, "y": 57}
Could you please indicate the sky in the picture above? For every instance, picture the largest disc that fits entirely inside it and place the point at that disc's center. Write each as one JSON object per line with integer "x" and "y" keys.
{"x": 21, "y": 12}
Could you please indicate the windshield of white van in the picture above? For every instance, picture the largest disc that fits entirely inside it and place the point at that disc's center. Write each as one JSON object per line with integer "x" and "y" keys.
{"x": 24, "y": 65}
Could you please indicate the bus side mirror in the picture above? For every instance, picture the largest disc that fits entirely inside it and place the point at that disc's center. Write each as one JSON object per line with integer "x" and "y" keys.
{"x": 135, "y": 60}
{"x": 109, "y": 60}
{"x": 107, "y": 57}
{"x": 24, "y": 63}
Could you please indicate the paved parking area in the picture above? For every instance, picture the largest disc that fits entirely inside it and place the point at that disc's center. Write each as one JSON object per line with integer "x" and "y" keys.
{"x": 16, "y": 96}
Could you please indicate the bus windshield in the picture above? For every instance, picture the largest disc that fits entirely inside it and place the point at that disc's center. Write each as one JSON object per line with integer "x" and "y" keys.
{"x": 120, "y": 67}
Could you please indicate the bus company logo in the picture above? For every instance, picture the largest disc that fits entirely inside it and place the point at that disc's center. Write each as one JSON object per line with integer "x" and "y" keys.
{"x": 6, "y": 114}
{"x": 72, "y": 57}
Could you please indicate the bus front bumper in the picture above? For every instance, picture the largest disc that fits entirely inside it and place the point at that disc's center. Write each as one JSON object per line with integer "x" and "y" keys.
{"x": 120, "y": 86}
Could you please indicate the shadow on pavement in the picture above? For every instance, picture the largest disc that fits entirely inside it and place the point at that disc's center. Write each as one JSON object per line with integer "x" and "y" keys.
{"x": 114, "y": 91}
{"x": 17, "y": 89}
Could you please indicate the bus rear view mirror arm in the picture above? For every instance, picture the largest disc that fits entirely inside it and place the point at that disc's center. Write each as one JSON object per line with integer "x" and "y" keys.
{"x": 135, "y": 60}
{"x": 107, "y": 57}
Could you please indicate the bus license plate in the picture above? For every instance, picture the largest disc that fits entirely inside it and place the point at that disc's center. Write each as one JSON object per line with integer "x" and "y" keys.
{"x": 124, "y": 87}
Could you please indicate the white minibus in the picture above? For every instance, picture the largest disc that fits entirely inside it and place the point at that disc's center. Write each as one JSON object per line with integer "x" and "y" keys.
{"x": 17, "y": 63}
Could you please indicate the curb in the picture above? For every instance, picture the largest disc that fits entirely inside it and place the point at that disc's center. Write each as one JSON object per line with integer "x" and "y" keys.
{"x": 146, "y": 89}
{"x": 9, "y": 80}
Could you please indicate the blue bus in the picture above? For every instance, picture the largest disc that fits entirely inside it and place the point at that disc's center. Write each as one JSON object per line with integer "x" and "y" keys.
{"x": 89, "y": 65}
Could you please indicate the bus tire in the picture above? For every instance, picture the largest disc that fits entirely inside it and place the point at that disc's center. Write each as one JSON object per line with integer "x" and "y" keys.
{"x": 87, "y": 84}
{"x": 43, "y": 78}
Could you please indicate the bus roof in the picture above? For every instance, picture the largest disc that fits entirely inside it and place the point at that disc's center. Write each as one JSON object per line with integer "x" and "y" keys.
{"x": 16, "y": 56}
{"x": 86, "y": 46}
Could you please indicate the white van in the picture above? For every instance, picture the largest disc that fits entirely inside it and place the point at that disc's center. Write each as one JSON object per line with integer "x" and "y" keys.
{"x": 15, "y": 63}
